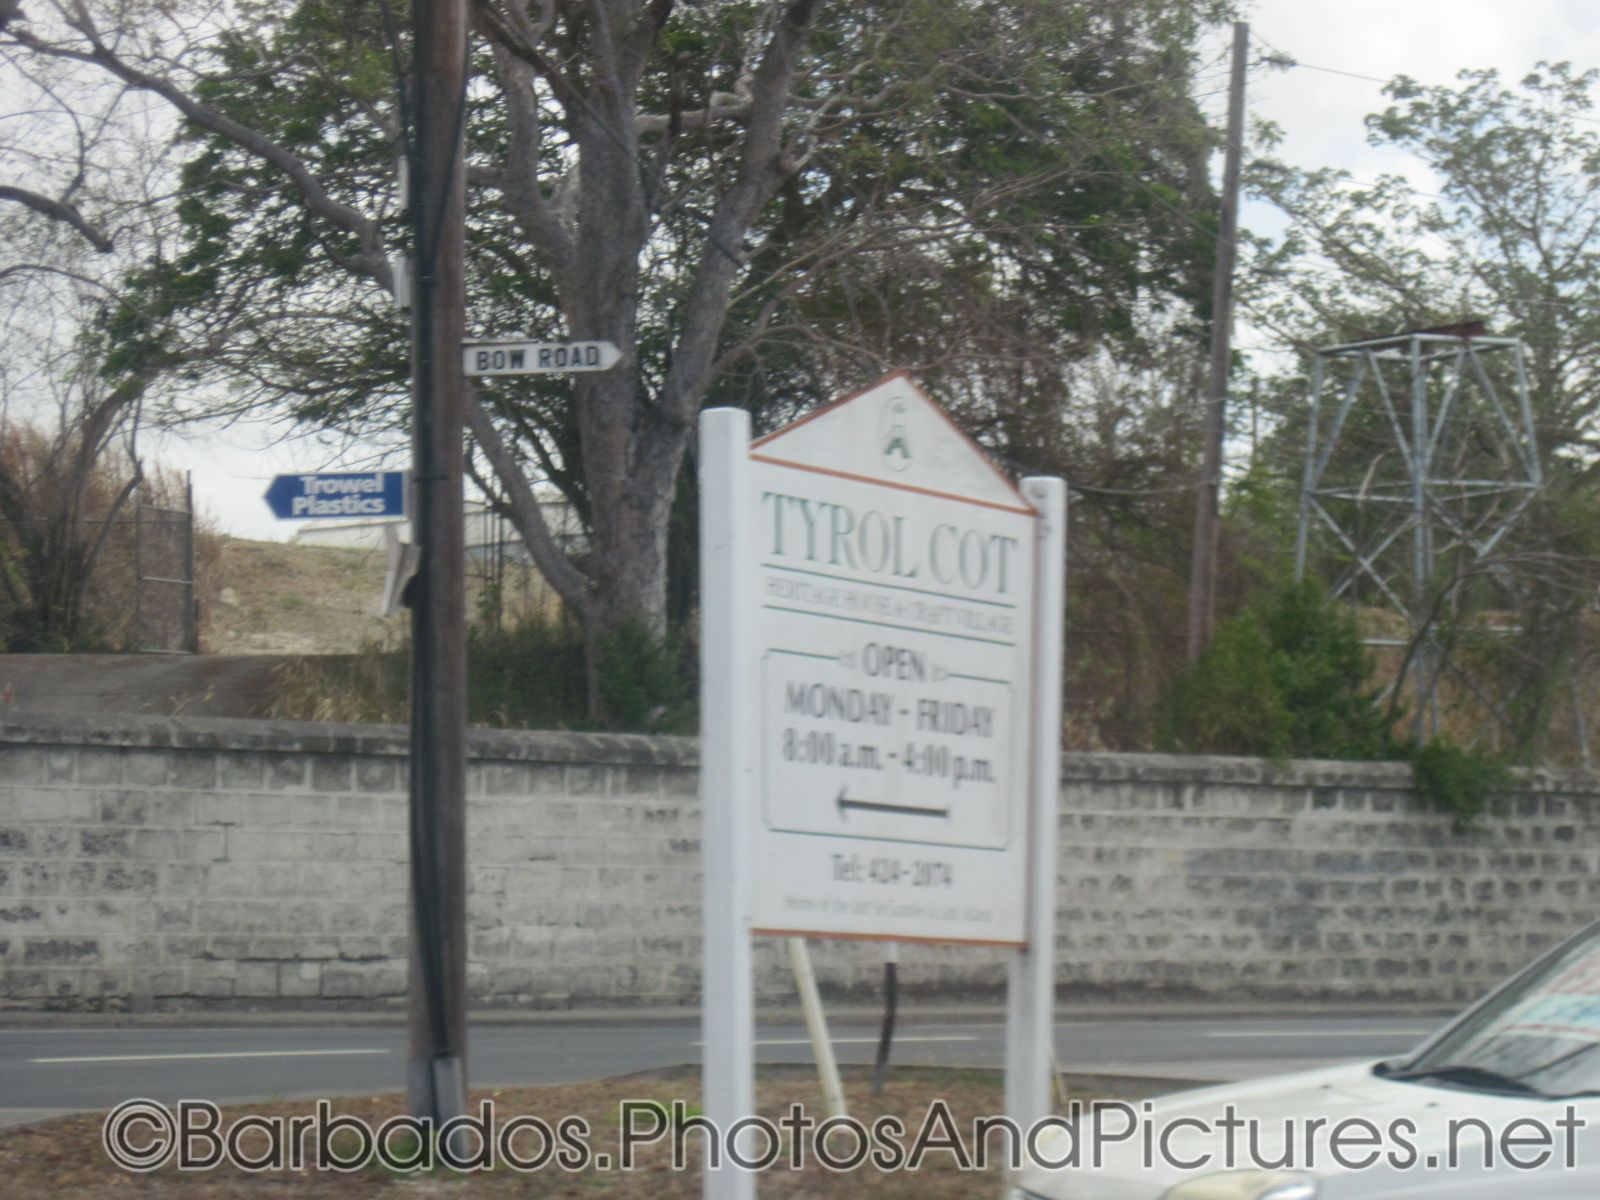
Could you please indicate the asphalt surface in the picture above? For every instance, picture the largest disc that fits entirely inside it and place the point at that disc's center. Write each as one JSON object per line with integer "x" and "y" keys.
{"x": 44, "y": 1070}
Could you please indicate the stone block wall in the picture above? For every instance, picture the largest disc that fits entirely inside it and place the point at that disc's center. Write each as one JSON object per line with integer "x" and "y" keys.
{"x": 1237, "y": 877}
{"x": 175, "y": 863}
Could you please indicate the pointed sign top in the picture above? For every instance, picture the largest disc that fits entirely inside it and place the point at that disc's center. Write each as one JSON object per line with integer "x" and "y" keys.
{"x": 892, "y": 434}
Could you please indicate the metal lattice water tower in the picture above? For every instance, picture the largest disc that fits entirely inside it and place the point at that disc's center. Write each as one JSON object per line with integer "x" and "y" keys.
{"x": 1421, "y": 457}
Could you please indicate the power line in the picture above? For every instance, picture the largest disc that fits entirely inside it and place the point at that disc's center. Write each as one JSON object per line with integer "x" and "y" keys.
{"x": 1111, "y": 491}
{"x": 1281, "y": 58}
{"x": 1284, "y": 60}
{"x": 1405, "y": 187}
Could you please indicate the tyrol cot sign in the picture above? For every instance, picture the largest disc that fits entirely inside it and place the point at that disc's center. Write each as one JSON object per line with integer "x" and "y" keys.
{"x": 894, "y": 589}
{"x": 880, "y": 708}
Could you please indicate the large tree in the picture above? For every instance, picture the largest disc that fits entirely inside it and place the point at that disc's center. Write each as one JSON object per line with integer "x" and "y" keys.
{"x": 1512, "y": 235}
{"x": 1509, "y": 234}
{"x": 756, "y": 201}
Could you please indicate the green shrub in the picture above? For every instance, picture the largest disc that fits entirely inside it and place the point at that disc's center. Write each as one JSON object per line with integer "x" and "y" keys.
{"x": 1324, "y": 676}
{"x": 642, "y": 680}
{"x": 1227, "y": 702}
{"x": 1289, "y": 678}
{"x": 1460, "y": 782}
{"x": 1286, "y": 678}
{"x": 527, "y": 676}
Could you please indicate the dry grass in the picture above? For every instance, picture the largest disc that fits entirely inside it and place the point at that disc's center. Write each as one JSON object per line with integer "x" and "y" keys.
{"x": 67, "y": 517}
{"x": 287, "y": 598}
{"x": 1464, "y": 718}
{"x": 280, "y": 598}
{"x": 369, "y": 687}
{"x": 64, "y": 1157}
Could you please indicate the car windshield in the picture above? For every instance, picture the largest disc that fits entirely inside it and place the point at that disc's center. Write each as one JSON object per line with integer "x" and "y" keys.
{"x": 1541, "y": 1034}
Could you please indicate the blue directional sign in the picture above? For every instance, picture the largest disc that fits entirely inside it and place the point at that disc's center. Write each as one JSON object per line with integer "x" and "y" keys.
{"x": 338, "y": 494}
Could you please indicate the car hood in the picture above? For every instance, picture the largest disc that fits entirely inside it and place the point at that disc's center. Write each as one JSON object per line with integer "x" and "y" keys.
{"x": 1293, "y": 1116}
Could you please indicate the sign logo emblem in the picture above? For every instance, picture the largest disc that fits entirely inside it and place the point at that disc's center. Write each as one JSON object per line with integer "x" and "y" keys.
{"x": 897, "y": 436}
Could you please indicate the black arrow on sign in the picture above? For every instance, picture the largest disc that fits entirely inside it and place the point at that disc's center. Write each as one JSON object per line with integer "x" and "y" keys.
{"x": 900, "y": 810}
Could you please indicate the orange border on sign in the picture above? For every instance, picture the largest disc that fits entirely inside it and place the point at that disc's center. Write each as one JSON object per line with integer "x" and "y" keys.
{"x": 902, "y": 487}
{"x": 905, "y": 376}
{"x": 1025, "y": 509}
{"x": 888, "y": 937}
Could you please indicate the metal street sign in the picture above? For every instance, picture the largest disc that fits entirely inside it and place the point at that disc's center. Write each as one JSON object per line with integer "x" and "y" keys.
{"x": 538, "y": 358}
{"x": 338, "y": 495}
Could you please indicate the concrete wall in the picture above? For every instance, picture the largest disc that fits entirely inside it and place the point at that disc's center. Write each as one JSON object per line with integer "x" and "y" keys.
{"x": 181, "y": 863}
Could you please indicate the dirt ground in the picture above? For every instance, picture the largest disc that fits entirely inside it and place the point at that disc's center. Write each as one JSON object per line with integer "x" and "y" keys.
{"x": 280, "y": 598}
{"x": 206, "y": 685}
{"x": 267, "y": 610}
{"x": 65, "y": 1157}
{"x": 263, "y": 605}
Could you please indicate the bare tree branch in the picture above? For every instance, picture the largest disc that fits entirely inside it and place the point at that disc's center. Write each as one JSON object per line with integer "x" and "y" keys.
{"x": 519, "y": 180}
{"x": 762, "y": 167}
{"x": 58, "y": 210}
{"x": 527, "y": 514}
{"x": 372, "y": 259}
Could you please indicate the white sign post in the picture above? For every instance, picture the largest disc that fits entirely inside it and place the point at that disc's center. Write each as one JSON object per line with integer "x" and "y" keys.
{"x": 1031, "y": 986}
{"x": 727, "y": 777}
{"x": 881, "y": 616}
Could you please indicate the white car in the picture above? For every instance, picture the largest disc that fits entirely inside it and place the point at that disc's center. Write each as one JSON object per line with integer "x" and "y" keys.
{"x": 1503, "y": 1102}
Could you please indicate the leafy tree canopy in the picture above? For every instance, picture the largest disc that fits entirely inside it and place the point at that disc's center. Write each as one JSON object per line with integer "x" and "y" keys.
{"x": 982, "y": 192}
{"x": 1509, "y": 234}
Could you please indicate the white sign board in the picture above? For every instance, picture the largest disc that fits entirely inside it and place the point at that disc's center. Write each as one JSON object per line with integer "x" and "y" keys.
{"x": 880, "y": 713}
{"x": 895, "y": 584}
{"x": 538, "y": 358}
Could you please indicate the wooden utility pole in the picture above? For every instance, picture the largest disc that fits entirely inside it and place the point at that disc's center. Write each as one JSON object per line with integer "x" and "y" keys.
{"x": 436, "y": 1069}
{"x": 1203, "y": 560}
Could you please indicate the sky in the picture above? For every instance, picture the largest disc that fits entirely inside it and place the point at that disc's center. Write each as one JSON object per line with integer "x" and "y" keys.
{"x": 232, "y": 468}
{"x": 1320, "y": 105}
{"x": 1319, "y": 112}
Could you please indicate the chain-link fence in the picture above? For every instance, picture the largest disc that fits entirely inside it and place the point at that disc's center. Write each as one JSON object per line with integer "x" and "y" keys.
{"x": 166, "y": 619}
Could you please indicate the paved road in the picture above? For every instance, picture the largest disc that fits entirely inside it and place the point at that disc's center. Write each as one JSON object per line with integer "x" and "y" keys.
{"x": 53, "y": 1069}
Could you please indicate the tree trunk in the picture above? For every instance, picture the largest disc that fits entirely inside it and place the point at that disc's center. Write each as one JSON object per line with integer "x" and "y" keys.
{"x": 632, "y": 456}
